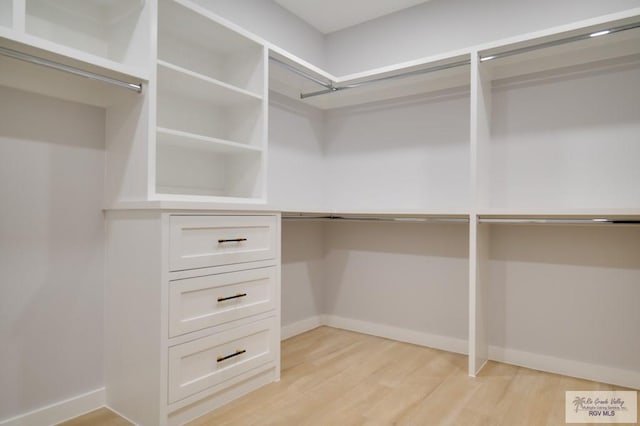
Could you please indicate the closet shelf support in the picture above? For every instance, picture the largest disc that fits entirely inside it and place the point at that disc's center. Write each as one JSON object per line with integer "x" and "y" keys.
{"x": 394, "y": 219}
{"x": 563, "y": 221}
{"x": 136, "y": 87}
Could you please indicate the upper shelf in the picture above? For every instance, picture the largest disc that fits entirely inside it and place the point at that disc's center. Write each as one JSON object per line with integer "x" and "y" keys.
{"x": 557, "y": 48}
{"x": 186, "y": 35}
{"x": 108, "y": 38}
{"x": 598, "y": 43}
{"x": 411, "y": 78}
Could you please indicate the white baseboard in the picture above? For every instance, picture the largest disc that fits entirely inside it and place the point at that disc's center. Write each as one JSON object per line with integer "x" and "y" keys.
{"x": 60, "y": 411}
{"x": 566, "y": 367}
{"x": 435, "y": 341}
{"x": 300, "y": 327}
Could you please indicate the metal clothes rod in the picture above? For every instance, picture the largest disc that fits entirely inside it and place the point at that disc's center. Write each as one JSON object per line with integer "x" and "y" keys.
{"x": 330, "y": 86}
{"x": 69, "y": 69}
{"x": 390, "y": 77}
{"x": 567, "y": 221}
{"x": 559, "y": 42}
{"x": 378, "y": 219}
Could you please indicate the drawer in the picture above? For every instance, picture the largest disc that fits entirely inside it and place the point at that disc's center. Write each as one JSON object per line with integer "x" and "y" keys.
{"x": 203, "y": 363}
{"x": 202, "y": 241}
{"x": 197, "y": 303}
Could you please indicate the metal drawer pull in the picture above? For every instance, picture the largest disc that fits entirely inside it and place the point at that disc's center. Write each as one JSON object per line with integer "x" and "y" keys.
{"x": 226, "y": 357}
{"x": 222, "y": 299}
{"x": 232, "y": 240}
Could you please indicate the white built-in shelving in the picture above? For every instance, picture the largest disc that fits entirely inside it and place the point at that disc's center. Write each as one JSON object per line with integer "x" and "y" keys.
{"x": 211, "y": 109}
{"x": 109, "y": 36}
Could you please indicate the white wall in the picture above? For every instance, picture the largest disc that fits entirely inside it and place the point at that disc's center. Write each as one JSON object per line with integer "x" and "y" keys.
{"x": 567, "y": 291}
{"x": 303, "y": 271}
{"x": 51, "y": 250}
{"x": 296, "y": 169}
{"x": 442, "y": 25}
{"x": 270, "y": 21}
{"x": 568, "y": 142}
{"x": 409, "y": 153}
{"x": 410, "y": 276}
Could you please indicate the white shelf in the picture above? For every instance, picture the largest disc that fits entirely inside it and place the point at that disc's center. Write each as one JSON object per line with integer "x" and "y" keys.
{"x": 407, "y": 79}
{"x": 563, "y": 57}
{"x": 185, "y": 35}
{"x": 179, "y": 138}
{"x": 559, "y": 213}
{"x": 177, "y": 80}
{"x": 99, "y": 32}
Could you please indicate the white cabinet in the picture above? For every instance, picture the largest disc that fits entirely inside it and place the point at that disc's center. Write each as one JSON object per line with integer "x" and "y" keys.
{"x": 194, "y": 334}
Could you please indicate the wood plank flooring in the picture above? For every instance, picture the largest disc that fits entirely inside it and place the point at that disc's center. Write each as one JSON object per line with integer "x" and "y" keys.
{"x": 337, "y": 377}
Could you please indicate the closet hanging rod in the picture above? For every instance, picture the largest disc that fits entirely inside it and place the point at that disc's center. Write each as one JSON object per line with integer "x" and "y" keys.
{"x": 559, "y": 42}
{"x": 378, "y": 219}
{"x": 303, "y": 74}
{"x": 136, "y": 87}
{"x": 429, "y": 70}
{"x": 565, "y": 221}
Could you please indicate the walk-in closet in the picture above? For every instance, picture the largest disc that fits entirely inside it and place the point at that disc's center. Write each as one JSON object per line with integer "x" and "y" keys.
{"x": 213, "y": 206}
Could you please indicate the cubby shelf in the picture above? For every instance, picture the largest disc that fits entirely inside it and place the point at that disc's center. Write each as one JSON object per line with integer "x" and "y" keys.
{"x": 196, "y": 86}
{"x": 178, "y": 138}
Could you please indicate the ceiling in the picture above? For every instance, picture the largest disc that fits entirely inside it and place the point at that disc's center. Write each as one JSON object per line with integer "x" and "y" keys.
{"x": 328, "y": 16}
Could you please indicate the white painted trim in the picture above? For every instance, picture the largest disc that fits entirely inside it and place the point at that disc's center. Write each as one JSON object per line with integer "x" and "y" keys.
{"x": 60, "y": 411}
{"x": 300, "y": 327}
{"x": 567, "y": 367}
{"x": 435, "y": 341}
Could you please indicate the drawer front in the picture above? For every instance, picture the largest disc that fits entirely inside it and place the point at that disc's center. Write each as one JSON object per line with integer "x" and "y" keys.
{"x": 201, "y": 302}
{"x": 203, "y": 241}
{"x": 197, "y": 365}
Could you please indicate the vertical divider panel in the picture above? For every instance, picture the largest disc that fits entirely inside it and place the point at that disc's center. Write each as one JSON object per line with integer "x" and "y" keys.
{"x": 19, "y": 11}
{"x": 479, "y": 235}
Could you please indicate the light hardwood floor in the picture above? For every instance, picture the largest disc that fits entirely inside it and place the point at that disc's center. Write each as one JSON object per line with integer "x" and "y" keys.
{"x": 337, "y": 377}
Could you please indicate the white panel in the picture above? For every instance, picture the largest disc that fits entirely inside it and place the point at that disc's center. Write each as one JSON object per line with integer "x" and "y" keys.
{"x": 51, "y": 250}
{"x": 408, "y": 154}
{"x": 567, "y": 292}
{"x": 6, "y": 13}
{"x": 134, "y": 314}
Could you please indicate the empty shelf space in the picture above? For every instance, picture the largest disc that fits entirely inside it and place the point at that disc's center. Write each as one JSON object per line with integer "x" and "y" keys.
{"x": 173, "y": 78}
{"x": 179, "y": 138}
{"x": 114, "y": 29}
{"x": 563, "y": 51}
{"x": 185, "y": 38}
{"x": 185, "y": 171}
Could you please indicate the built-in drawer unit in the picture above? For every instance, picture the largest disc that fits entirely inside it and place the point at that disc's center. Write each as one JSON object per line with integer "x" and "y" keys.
{"x": 206, "y": 301}
{"x": 204, "y": 241}
{"x": 203, "y": 363}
